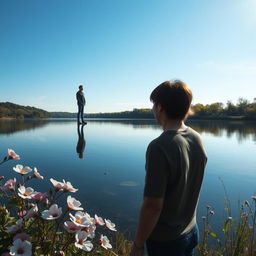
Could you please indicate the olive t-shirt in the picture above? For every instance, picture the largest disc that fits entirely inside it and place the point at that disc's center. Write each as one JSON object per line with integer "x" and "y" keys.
{"x": 175, "y": 163}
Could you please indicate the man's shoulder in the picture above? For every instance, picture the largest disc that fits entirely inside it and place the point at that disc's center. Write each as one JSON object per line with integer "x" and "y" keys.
{"x": 155, "y": 144}
{"x": 194, "y": 134}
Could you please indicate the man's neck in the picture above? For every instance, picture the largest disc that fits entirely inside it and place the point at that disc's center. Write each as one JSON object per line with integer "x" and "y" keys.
{"x": 174, "y": 125}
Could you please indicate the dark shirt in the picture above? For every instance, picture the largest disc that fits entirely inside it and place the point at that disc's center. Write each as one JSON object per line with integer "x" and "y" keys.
{"x": 175, "y": 163}
{"x": 80, "y": 98}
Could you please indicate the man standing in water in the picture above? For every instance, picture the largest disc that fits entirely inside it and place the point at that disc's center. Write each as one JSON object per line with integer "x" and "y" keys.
{"x": 80, "y": 103}
{"x": 175, "y": 163}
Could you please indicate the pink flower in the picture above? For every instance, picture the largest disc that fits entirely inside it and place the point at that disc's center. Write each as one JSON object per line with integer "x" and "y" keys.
{"x": 81, "y": 241}
{"x": 10, "y": 184}
{"x": 21, "y": 248}
{"x": 104, "y": 242}
{"x": 22, "y": 237}
{"x": 57, "y": 184}
{"x": 110, "y": 225}
{"x": 74, "y": 204}
{"x": 12, "y": 154}
{"x": 32, "y": 212}
{"x": 68, "y": 187}
{"x": 22, "y": 170}
{"x": 37, "y": 174}
{"x": 53, "y": 213}
{"x": 99, "y": 220}
{"x": 71, "y": 227}
{"x": 38, "y": 196}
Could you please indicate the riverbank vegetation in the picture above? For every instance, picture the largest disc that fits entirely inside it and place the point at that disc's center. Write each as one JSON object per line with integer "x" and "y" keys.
{"x": 242, "y": 110}
{"x": 11, "y": 110}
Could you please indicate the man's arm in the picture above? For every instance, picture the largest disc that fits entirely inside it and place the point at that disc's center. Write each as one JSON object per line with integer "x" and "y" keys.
{"x": 79, "y": 98}
{"x": 149, "y": 215}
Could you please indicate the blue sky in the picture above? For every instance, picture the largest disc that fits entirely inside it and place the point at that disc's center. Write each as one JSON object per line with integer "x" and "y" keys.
{"x": 121, "y": 49}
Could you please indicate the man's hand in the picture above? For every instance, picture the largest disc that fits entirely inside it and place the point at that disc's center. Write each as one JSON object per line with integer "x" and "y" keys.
{"x": 136, "y": 251}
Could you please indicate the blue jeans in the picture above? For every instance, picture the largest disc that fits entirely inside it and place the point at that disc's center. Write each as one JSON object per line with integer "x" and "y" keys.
{"x": 182, "y": 246}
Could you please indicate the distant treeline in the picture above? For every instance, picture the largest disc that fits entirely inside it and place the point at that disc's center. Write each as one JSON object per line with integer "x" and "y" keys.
{"x": 11, "y": 110}
{"x": 243, "y": 109}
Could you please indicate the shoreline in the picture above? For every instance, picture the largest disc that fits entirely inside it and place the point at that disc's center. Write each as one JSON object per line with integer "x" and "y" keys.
{"x": 233, "y": 118}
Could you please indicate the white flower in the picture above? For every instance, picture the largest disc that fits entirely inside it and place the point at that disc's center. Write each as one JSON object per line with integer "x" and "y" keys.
{"x": 57, "y": 184}
{"x": 26, "y": 193}
{"x": 91, "y": 221}
{"x": 110, "y": 225}
{"x": 22, "y": 170}
{"x": 71, "y": 227}
{"x": 73, "y": 204}
{"x": 37, "y": 174}
{"x": 90, "y": 230}
{"x": 14, "y": 228}
{"x": 21, "y": 248}
{"x": 32, "y": 212}
{"x": 81, "y": 242}
{"x": 99, "y": 220}
{"x": 68, "y": 187}
{"x": 104, "y": 242}
{"x": 12, "y": 154}
{"x": 53, "y": 213}
{"x": 80, "y": 219}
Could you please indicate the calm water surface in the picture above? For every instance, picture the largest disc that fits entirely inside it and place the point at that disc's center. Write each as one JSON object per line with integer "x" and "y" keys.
{"x": 110, "y": 176}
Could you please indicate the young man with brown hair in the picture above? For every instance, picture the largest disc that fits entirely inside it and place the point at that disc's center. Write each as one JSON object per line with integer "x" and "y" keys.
{"x": 175, "y": 163}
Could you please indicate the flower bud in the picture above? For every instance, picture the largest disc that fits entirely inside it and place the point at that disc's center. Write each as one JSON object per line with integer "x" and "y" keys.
{"x": 246, "y": 203}
{"x": 46, "y": 201}
{"x": 30, "y": 205}
{"x": 3, "y": 209}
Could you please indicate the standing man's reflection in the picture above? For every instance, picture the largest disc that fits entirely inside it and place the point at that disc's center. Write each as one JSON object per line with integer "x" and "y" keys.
{"x": 81, "y": 141}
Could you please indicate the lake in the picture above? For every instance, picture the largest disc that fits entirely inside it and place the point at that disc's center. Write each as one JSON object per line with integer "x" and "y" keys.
{"x": 110, "y": 175}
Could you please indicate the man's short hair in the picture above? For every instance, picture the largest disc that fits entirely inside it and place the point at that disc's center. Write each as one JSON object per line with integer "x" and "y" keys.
{"x": 80, "y": 86}
{"x": 174, "y": 96}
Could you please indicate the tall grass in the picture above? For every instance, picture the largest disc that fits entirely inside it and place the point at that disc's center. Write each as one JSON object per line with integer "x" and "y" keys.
{"x": 237, "y": 237}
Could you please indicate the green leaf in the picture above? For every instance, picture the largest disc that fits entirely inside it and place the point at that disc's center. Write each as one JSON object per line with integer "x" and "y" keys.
{"x": 226, "y": 226}
{"x": 213, "y": 235}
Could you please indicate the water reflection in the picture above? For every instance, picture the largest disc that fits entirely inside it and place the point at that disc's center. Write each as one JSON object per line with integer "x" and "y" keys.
{"x": 241, "y": 129}
{"x": 81, "y": 141}
{"x": 12, "y": 126}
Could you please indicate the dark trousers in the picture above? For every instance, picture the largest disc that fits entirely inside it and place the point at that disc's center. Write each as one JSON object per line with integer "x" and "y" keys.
{"x": 80, "y": 113}
{"x": 183, "y": 246}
